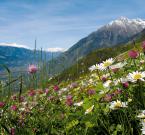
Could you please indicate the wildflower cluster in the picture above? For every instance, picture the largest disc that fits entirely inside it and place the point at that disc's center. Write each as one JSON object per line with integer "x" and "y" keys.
{"x": 108, "y": 100}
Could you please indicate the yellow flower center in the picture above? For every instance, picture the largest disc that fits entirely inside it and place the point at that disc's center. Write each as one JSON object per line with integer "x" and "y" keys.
{"x": 106, "y": 64}
{"x": 137, "y": 76}
{"x": 89, "y": 110}
{"x": 118, "y": 104}
{"x": 129, "y": 100}
{"x": 143, "y": 117}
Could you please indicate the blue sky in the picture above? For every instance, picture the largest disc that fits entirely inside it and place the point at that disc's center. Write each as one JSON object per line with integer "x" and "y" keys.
{"x": 60, "y": 23}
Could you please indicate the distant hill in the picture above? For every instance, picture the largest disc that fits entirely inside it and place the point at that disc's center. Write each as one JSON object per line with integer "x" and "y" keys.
{"x": 17, "y": 58}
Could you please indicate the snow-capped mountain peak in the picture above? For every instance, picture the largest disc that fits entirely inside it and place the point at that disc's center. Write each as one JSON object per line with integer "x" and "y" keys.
{"x": 123, "y": 21}
{"x": 139, "y": 22}
{"x": 122, "y": 18}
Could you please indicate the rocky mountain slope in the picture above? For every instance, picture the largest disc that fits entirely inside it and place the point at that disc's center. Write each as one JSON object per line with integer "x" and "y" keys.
{"x": 115, "y": 33}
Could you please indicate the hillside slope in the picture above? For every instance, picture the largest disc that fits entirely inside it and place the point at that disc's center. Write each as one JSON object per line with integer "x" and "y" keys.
{"x": 81, "y": 67}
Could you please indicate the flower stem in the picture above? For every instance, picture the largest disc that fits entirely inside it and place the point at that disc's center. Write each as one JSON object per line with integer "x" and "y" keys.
{"x": 110, "y": 74}
{"x": 98, "y": 74}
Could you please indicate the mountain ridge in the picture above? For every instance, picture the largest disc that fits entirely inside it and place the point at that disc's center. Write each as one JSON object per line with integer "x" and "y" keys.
{"x": 111, "y": 34}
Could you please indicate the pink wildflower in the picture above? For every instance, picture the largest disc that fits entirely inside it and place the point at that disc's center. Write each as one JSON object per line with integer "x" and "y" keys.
{"x": 14, "y": 97}
{"x": 2, "y": 104}
{"x": 125, "y": 84}
{"x": 69, "y": 100}
{"x": 32, "y": 69}
{"x": 118, "y": 91}
{"x": 21, "y": 98}
{"x": 56, "y": 88}
{"x": 12, "y": 131}
{"x": 115, "y": 69}
{"x": 31, "y": 93}
{"x": 14, "y": 107}
{"x": 104, "y": 79}
{"x": 46, "y": 91}
{"x": 133, "y": 54}
{"x": 108, "y": 98}
{"x": 91, "y": 92}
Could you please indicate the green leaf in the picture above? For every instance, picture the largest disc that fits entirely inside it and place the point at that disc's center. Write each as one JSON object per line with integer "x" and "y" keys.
{"x": 99, "y": 86}
{"x": 89, "y": 124}
{"x": 87, "y": 103}
{"x": 72, "y": 124}
{"x": 6, "y": 129}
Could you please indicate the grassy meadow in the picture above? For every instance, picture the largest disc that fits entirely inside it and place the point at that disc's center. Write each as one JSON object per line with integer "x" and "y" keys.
{"x": 103, "y": 94}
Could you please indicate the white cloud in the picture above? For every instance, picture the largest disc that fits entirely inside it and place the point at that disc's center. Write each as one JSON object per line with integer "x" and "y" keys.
{"x": 56, "y": 49}
{"x": 14, "y": 45}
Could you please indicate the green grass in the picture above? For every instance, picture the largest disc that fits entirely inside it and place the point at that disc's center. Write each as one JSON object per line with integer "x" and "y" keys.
{"x": 55, "y": 113}
{"x": 81, "y": 67}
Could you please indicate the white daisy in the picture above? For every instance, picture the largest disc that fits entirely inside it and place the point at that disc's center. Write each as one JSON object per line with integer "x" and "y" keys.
{"x": 135, "y": 76}
{"x": 89, "y": 109}
{"x": 123, "y": 80}
{"x": 24, "y": 103}
{"x": 22, "y": 109}
{"x": 107, "y": 84}
{"x": 99, "y": 66}
{"x": 84, "y": 83}
{"x": 142, "y": 115}
{"x": 141, "y": 54}
{"x": 106, "y": 64}
{"x": 91, "y": 81}
{"x": 142, "y": 61}
{"x": 92, "y": 68}
{"x": 101, "y": 92}
{"x": 79, "y": 103}
{"x": 62, "y": 98}
{"x": 116, "y": 82}
{"x": 105, "y": 75}
{"x": 117, "y": 104}
{"x": 143, "y": 126}
{"x": 118, "y": 65}
{"x": 93, "y": 75}
{"x": 120, "y": 80}
{"x": 63, "y": 90}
